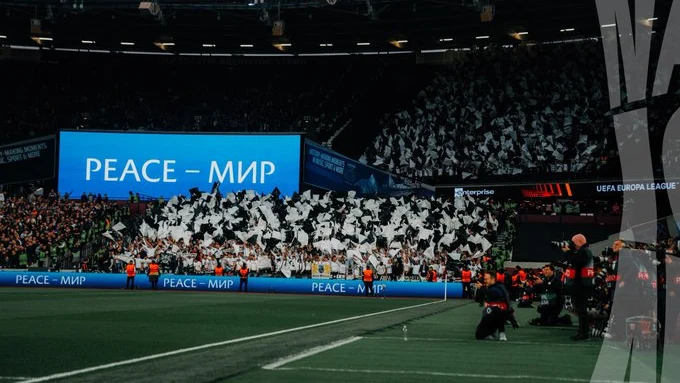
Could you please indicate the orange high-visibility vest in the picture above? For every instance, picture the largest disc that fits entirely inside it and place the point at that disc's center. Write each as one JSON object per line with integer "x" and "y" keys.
{"x": 467, "y": 276}
{"x": 219, "y": 271}
{"x": 154, "y": 269}
{"x": 433, "y": 276}
{"x": 244, "y": 272}
{"x": 368, "y": 275}
{"x": 130, "y": 270}
{"x": 500, "y": 277}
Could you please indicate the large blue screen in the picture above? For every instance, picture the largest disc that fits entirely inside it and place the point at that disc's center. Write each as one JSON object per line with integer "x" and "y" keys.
{"x": 170, "y": 164}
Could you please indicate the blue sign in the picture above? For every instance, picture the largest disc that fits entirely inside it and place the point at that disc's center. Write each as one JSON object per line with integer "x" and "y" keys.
{"x": 166, "y": 165}
{"x": 329, "y": 170}
{"x": 208, "y": 283}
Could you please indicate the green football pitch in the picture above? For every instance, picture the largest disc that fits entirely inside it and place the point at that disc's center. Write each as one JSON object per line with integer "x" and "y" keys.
{"x": 140, "y": 336}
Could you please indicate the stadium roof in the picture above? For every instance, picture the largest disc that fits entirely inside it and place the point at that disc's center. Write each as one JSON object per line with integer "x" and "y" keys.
{"x": 310, "y": 25}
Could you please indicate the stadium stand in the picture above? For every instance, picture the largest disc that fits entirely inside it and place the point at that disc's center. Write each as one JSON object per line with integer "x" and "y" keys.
{"x": 521, "y": 112}
{"x": 258, "y": 98}
{"x": 503, "y": 111}
{"x": 49, "y": 232}
{"x": 284, "y": 236}
{"x": 281, "y": 237}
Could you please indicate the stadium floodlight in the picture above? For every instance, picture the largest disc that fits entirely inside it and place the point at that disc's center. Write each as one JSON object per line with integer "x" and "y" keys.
{"x": 127, "y": 43}
{"x": 607, "y": 25}
{"x": 45, "y": 39}
{"x": 652, "y": 19}
{"x": 402, "y": 41}
{"x": 246, "y": 45}
{"x": 522, "y": 33}
{"x": 482, "y": 37}
{"x": 446, "y": 40}
{"x": 208, "y": 45}
{"x": 87, "y": 41}
{"x": 567, "y": 30}
{"x": 168, "y": 44}
{"x": 325, "y": 45}
{"x": 363, "y": 44}
{"x": 3, "y": 37}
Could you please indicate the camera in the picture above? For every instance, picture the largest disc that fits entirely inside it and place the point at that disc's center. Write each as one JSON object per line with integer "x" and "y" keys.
{"x": 608, "y": 252}
{"x": 557, "y": 245}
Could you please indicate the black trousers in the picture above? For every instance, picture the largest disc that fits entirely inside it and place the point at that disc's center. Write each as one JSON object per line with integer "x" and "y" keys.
{"x": 490, "y": 323}
{"x": 466, "y": 290}
{"x": 369, "y": 288}
{"x": 549, "y": 314}
{"x": 154, "y": 282}
{"x": 579, "y": 300}
{"x": 130, "y": 284}
{"x": 244, "y": 283}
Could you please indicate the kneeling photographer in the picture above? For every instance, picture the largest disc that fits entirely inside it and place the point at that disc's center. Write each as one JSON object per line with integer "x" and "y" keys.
{"x": 549, "y": 289}
{"x": 578, "y": 280}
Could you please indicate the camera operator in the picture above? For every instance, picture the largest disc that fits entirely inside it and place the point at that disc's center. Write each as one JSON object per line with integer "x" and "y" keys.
{"x": 549, "y": 289}
{"x": 579, "y": 280}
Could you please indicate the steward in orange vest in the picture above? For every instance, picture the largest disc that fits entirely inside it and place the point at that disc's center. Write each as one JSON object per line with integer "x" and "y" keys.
{"x": 500, "y": 276}
{"x": 432, "y": 275}
{"x": 243, "y": 273}
{"x": 368, "y": 281}
{"x": 154, "y": 274}
{"x": 130, "y": 271}
{"x": 466, "y": 279}
{"x": 219, "y": 271}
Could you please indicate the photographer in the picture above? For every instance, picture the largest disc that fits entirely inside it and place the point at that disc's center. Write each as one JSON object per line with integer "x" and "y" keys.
{"x": 497, "y": 310}
{"x": 579, "y": 280}
{"x": 549, "y": 288}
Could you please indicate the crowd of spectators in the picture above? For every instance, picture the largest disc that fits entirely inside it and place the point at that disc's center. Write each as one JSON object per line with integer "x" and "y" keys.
{"x": 401, "y": 238}
{"x": 504, "y": 111}
{"x": 49, "y": 231}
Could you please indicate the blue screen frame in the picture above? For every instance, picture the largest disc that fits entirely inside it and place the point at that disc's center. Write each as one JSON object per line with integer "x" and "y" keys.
{"x": 168, "y": 164}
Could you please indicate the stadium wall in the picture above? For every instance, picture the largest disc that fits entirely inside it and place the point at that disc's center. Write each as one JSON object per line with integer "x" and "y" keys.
{"x": 230, "y": 284}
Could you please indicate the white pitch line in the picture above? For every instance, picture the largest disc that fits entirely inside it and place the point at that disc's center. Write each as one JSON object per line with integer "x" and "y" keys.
{"x": 452, "y": 374}
{"x": 310, "y": 352}
{"x": 13, "y": 377}
{"x": 216, "y": 344}
{"x": 444, "y": 340}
